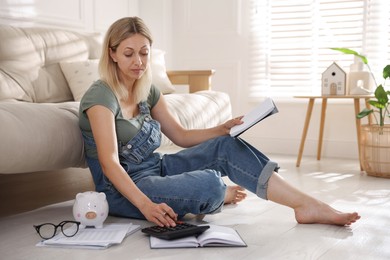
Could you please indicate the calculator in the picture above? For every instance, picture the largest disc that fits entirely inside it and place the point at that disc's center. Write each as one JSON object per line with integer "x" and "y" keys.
{"x": 182, "y": 229}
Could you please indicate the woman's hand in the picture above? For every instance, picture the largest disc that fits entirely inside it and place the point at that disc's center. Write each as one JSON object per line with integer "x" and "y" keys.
{"x": 232, "y": 122}
{"x": 160, "y": 214}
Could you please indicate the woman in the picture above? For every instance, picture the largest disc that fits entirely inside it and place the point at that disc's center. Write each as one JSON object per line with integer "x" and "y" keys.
{"x": 121, "y": 118}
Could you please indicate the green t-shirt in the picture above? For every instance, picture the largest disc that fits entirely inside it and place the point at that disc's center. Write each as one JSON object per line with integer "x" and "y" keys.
{"x": 101, "y": 94}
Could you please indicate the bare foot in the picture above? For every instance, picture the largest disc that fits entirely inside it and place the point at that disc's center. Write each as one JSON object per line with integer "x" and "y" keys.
{"x": 234, "y": 194}
{"x": 321, "y": 213}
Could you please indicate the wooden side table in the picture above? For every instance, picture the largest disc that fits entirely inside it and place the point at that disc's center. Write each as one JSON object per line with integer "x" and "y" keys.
{"x": 196, "y": 79}
{"x": 356, "y": 100}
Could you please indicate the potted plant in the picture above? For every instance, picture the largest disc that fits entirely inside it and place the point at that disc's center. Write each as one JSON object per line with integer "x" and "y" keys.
{"x": 375, "y": 137}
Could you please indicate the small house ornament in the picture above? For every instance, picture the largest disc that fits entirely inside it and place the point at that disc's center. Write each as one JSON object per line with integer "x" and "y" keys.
{"x": 334, "y": 80}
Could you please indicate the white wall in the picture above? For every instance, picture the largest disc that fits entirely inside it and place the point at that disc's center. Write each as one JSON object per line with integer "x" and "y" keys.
{"x": 201, "y": 34}
{"x": 80, "y": 15}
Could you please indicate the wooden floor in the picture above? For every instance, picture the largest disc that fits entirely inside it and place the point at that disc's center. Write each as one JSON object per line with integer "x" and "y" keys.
{"x": 269, "y": 229}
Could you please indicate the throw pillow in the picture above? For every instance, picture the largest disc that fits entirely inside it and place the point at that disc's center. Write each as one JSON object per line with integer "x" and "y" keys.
{"x": 159, "y": 72}
{"x": 80, "y": 75}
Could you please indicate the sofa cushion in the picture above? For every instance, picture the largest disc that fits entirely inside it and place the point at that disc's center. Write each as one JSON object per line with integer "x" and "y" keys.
{"x": 197, "y": 110}
{"x": 29, "y": 62}
{"x": 39, "y": 137}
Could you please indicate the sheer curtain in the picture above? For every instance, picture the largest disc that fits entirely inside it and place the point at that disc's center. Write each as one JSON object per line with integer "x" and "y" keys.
{"x": 290, "y": 41}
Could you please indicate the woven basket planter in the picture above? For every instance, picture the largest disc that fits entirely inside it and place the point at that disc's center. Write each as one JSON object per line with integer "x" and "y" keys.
{"x": 375, "y": 150}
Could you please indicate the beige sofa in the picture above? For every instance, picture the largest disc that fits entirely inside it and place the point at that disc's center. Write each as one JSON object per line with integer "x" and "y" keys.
{"x": 43, "y": 73}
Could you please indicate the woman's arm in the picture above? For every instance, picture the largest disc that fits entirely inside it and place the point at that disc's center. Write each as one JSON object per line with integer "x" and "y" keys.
{"x": 103, "y": 128}
{"x": 187, "y": 137}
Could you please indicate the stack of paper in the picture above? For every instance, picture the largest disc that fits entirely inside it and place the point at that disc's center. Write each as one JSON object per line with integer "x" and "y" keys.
{"x": 93, "y": 238}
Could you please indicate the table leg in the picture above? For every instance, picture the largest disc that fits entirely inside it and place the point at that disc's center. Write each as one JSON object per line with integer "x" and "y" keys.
{"x": 368, "y": 107}
{"x": 305, "y": 128}
{"x": 322, "y": 124}
{"x": 356, "y": 102}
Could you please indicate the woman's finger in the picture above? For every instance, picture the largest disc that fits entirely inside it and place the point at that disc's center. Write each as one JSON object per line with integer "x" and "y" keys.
{"x": 169, "y": 211}
{"x": 170, "y": 217}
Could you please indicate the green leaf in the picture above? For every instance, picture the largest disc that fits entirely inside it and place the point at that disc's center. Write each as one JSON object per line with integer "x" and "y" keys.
{"x": 346, "y": 51}
{"x": 381, "y": 96}
{"x": 375, "y": 103}
{"x": 364, "y": 112}
{"x": 349, "y": 51}
{"x": 386, "y": 72}
{"x": 364, "y": 59}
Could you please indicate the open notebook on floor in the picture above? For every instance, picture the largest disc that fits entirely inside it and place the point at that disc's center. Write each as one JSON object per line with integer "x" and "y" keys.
{"x": 215, "y": 236}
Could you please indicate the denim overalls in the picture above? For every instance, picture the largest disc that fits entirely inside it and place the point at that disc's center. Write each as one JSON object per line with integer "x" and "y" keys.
{"x": 188, "y": 181}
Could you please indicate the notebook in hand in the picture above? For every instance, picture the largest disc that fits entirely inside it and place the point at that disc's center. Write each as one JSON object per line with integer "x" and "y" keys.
{"x": 263, "y": 110}
{"x": 215, "y": 236}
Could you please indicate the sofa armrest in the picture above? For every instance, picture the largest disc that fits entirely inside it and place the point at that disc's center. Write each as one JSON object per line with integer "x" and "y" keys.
{"x": 196, "y": 79}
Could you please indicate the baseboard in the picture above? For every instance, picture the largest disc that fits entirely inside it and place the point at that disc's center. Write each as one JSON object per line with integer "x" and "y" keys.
{"x": 27, "y": 191}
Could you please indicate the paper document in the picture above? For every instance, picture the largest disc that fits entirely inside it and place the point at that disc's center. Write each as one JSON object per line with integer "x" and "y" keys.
{"x": 93, "y": 238}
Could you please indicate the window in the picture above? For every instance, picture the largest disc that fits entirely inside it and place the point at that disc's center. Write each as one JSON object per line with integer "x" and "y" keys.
{"x": 290, "y": 41}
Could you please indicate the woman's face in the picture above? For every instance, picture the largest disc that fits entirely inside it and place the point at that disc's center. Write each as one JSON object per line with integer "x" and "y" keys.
{"x": 132, "y": 57}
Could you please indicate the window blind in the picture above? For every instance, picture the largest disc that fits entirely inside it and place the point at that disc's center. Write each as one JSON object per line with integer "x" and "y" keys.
{"x": 290, "y": 41}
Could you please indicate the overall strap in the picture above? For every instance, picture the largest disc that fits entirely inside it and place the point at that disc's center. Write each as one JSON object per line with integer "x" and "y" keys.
{"x": 144, "y": 108}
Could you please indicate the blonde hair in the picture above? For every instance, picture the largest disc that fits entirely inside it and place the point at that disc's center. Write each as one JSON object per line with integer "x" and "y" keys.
{"x": 118, "y": 32}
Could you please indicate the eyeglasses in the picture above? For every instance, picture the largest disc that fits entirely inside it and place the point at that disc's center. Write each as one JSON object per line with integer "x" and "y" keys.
{"x": 48, "y": 230}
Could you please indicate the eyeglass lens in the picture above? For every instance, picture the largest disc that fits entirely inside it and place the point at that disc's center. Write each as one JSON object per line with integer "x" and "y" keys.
{"x": 69, "y": 229}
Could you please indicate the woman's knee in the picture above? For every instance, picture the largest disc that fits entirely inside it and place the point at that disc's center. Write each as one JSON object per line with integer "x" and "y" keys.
{"x": 214, "y": 186}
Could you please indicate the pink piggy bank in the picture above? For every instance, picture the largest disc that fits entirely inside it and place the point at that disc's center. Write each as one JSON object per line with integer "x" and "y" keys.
{"x": 90, "y": 209}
